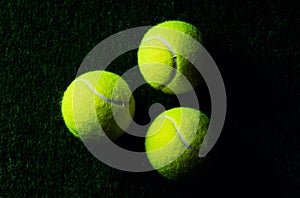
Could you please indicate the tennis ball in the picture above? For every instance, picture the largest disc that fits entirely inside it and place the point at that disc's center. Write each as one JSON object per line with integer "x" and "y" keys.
{"x": 98, "y": 102}
{"x": 164, "y": 57}
{"x": 173, "y": 141}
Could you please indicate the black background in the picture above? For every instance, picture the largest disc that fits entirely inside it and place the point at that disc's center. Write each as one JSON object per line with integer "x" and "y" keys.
{"x": 255, "y": 45}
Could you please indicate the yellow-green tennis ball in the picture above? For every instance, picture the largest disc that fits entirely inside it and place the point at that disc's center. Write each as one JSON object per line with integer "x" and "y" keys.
{"x": 173, "y": 141}
{"x": 98, "y": 98}
{"x": 161, "y": 56}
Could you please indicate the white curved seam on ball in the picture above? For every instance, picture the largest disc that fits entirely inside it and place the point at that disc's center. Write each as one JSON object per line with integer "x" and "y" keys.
{"x": 164, "y": 41}
{"x": 174, "y": 57}
{"x": 98, "y": 94}
{"x": 180, "y": 135}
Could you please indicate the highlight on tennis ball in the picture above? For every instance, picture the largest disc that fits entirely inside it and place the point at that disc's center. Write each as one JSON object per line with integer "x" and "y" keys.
{"x": 173, "y": 141}
{"x": 170, "y": 43}
{"x": 94, "y": 101}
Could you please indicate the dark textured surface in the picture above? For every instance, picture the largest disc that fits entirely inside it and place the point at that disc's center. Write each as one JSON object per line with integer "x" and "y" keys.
{"x": 255, "y": 45}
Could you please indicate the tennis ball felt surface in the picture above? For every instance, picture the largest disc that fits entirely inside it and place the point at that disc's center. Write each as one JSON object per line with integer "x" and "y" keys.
{"x": 94, "y": 101}
{"x": 173, "y": 141}
{"x": 164, "y": 56}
